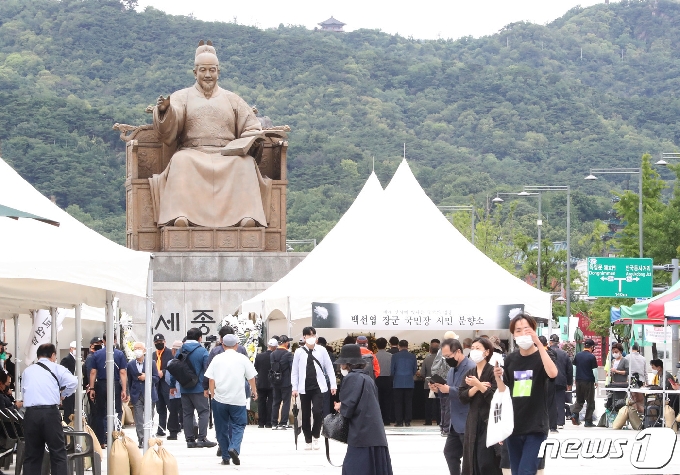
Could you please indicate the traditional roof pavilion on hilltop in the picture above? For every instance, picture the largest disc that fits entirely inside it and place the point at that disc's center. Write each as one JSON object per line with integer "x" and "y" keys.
{"x": 332, "y": 25}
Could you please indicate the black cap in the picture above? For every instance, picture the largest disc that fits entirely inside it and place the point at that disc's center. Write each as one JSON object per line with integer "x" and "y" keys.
{"x": 589, "y": 343}
{"x": 555, "y": 337}
{"x": 284, "y": 339}
{"x": 2, "y": 343}
{"x": 158, "y": 337}
{"x": 95, "y": 340}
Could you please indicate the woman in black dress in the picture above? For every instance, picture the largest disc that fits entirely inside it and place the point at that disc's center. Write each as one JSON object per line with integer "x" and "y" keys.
{"x": 477, "y": 391}
{"x": 367, "y": 452}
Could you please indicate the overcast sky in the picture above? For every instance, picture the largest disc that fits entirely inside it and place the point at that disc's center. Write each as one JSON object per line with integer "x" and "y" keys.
{"x": 428, "y": 20}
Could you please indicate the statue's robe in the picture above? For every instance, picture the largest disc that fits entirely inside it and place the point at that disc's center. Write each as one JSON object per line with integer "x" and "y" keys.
{"x": 199, "y": 183}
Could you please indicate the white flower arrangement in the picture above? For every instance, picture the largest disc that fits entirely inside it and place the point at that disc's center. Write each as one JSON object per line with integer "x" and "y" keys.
{"x": 247, "y": 330}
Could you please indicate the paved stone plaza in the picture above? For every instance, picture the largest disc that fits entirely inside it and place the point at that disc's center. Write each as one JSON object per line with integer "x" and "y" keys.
{"x": 413, "y": 450}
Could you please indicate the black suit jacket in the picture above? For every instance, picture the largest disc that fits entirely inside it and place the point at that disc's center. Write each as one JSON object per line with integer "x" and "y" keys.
{"x": 262, "y": 366}
{"x": 565, "y": 370}
{"x": 69, "y": 362}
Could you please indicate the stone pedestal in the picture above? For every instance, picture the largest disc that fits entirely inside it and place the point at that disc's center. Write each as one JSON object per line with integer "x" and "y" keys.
{"x": 197, "y": 289}
{"x": 201, "y": 239}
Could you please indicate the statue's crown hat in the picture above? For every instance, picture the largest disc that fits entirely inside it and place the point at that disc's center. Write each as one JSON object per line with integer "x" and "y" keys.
{"x": 205, "y": 53}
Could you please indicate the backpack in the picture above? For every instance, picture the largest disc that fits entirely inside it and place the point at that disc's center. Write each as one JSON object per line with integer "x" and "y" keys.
{"x": 369, "y": 369}
{"x": 276, "y": 373}
{"x": 181, "y": 369}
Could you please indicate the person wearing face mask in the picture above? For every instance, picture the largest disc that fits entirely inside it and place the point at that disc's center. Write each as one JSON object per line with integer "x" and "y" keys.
{"x": 161, "y": 357}
{"x": 440, "y": 368}
{"x": 431, "y": 403}
{"x": 619, "y": 365}
{"x": 311, "y": 375}
{"x": 136, "y": 378}
{"x": 69, "y": 362}
{"x": 525, "y": 375}
{"x": 452, "y": 353}
{"x": 585, "y": 363}
{"x": 477, "y": 391}
{"x": 367, "y": 450}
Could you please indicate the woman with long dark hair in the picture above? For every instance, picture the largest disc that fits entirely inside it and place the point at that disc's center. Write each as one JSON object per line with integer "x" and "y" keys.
{"x": 367, "y": 452}
{"x": 477, "y": 391}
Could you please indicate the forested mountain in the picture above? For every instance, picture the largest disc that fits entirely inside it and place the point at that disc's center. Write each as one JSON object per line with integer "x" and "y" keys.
{"x": 531, "y": 104}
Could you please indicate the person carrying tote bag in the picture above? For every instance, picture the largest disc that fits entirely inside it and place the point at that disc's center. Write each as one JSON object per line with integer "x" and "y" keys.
{"x": 480, "y": 458}
{"x": 525, "y": 375}
{"x": 367, "y": 451}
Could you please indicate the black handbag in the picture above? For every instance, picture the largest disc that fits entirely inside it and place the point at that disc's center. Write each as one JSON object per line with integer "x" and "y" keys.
{"x": 336, "y": 427}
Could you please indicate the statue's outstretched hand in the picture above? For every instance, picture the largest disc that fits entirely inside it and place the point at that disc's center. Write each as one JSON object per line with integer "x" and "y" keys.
{"x": 163, "y": 103}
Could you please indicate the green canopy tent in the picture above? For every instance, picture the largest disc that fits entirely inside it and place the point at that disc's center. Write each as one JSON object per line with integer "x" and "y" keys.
{"x": 6, "y": 211}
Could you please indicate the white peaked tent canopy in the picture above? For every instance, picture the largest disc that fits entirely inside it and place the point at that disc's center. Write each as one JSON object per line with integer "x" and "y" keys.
{"x": 394, "y": 249}
{"x": 311, "y": 279}
{"x": 43, "y": 265}
{"x": 47, "y": 266}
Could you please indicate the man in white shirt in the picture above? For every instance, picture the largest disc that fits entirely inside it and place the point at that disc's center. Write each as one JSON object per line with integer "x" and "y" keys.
{"x": 311, "y": 376}
{"x": 638, "y": 364}
{"x": 226, "y": 373}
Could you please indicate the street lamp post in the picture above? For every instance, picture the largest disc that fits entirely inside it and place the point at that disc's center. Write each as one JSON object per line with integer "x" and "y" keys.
{"x": 624, "y": 171}
{"x": 471, "y": 209}
{"x": 539, "y": 223}
{"x": 544, "y": 188}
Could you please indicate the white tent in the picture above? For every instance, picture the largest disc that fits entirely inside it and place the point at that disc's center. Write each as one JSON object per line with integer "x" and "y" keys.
{"x": 47, "y": 266}
{"x": 43, "y": 265}
{"x": 397, "y": 254}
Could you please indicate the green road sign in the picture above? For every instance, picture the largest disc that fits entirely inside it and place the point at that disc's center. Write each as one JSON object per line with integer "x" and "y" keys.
{"x": 619, "y": 277}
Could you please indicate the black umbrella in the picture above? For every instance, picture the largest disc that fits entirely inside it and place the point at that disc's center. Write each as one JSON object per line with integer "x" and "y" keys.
{"x": 296, "y": 426}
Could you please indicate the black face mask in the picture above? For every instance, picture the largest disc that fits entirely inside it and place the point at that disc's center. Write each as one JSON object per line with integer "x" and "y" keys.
{"x": 97, "y": 347}
{"x": 159, "y": 346}
{"x": 434, "y": 351}
{"x": 452, "y": 362}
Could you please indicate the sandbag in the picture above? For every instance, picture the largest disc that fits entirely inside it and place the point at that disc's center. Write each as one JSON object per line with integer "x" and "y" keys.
{"x": 86, "y": 445}
{"x": 169, "y": 462}
{"x": 119, "y": 462}
{"x": 128, "y": 415}
{"x": 669, "y": 417}
{"x": 134, "y": 454}
{"x": 621, "y": 418}
{"x": 152, "y": 464}
{"x": 634, "y": 418}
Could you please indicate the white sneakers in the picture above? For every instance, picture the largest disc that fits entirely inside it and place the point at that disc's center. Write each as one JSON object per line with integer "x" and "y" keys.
{"x": 315, "y": 444}
{"x": 308, "y": 446}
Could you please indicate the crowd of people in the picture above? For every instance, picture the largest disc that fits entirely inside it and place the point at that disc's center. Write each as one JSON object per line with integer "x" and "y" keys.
{"x": 372, "y": 390}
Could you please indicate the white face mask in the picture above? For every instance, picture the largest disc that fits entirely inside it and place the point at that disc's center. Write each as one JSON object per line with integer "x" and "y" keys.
{"x": 311, "y": 340}
{"x": 344, "y": 372}
{"x": 476, "y": 355}
{"x": 139, "y": 353}
{"x": 525, "y": 342}
{"x": 73, "y": 353}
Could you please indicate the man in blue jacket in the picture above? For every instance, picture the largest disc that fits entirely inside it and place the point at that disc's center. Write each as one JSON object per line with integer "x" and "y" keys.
{"x": 195, "y": 398}
{"x": 136, "y": 381}
{"x": 403, "y": 368}
{"x": 452, "y": 352}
